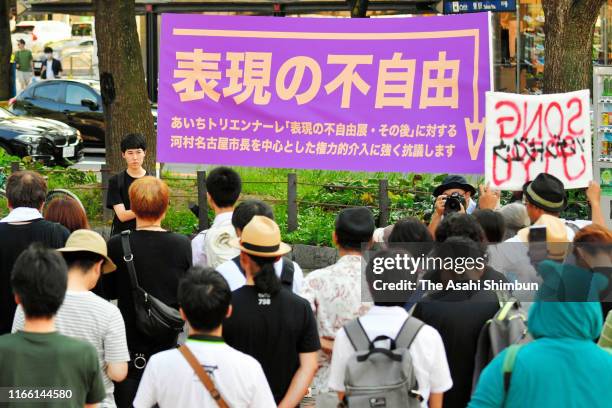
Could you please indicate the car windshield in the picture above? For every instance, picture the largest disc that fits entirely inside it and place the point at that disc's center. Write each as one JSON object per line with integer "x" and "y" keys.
{"x": 5, "y": 114}
{"x": 24, "y": 29}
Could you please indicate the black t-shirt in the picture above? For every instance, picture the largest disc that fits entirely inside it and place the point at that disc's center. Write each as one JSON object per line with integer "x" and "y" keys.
{"x": 14, "y": 238}
{"x": 161, "y": 259}
{"x": 459, "y": 316}
{"x": 118, "y": 187}
{"x": 274, "y": 330}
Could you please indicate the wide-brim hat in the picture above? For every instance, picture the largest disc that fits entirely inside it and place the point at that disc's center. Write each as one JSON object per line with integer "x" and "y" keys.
{"x": 557, "y": 241}
{"x": 89, "y": 241}
{"x": 261, "y": 237}
{"x": 546, "y": 192}
{"x": 454, "y": 181}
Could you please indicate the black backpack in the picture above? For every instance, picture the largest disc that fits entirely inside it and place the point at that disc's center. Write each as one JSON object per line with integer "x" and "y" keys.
{"x": 287, "y": 272}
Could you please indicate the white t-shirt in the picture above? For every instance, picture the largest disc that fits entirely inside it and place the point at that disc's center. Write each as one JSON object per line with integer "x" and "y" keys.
{"x": 427, "y": 351}
{"x": 86, "y": 316}
{"x": 169, "y": 380}
{"x": 211, "y": 247}
{"x": 236, "y": 279}
{"x": 50, "y": 74}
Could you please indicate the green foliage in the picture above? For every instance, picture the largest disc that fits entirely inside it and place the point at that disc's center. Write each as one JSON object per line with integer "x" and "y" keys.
{"x": 7, "y": 159}
{"x": 321, "y": 194}
{"x": 180, "y": 220}
{"x": 315, "y": 226}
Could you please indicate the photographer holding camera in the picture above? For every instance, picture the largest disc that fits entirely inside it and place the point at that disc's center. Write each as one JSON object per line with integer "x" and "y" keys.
{"x": 452, "y": 196}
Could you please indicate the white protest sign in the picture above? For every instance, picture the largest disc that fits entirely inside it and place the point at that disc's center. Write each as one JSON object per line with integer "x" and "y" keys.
{"x": 530, "y": 134}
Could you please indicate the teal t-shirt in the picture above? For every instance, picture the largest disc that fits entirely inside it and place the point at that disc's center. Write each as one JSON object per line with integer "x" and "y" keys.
{"x": 50, "y": 361}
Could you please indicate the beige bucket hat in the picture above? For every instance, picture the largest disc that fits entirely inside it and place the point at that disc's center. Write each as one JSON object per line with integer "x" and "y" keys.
{"x": 261, "y": 237}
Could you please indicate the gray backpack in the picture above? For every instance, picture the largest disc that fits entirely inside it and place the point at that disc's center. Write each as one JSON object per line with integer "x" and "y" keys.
{"x": 381, "y": 377}
{"x": 508, "y": 327}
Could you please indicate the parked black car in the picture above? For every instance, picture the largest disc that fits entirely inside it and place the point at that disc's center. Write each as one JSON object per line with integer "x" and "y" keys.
{"x": 77, "y": 103}
{"x": 44, "y": 140}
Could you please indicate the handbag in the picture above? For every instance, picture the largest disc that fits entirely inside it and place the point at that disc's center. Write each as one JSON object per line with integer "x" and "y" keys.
{"x": 154, "y": 318}
{"x": 203, "y": 376}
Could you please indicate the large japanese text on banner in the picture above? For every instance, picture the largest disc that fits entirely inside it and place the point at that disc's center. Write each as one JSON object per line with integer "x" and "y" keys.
{"x": 531, "y": 134}
{"x": 338, "y": 94}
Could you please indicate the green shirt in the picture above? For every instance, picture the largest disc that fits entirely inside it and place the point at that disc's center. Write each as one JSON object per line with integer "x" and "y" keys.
{"x": 23, "y": 58}
{"x": 53, "y": 362}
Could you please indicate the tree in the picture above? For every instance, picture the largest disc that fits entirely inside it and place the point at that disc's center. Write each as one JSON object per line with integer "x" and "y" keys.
{"x": 569, "y": 27}
{"x": 6, "y": 49}
{"x": 359, "y": 8}
{"x": 122, "y": 80}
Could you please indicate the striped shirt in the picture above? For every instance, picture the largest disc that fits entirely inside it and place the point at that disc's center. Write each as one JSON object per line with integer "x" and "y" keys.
{"x": 86, "y": 316}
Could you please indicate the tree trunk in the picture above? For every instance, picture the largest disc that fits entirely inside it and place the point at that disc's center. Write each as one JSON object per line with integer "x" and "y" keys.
{"x": 6, "y": 49}
{"x": 569, "y": 27}
{"x": 122, "y": 80}
{"x": 359, "y": 8}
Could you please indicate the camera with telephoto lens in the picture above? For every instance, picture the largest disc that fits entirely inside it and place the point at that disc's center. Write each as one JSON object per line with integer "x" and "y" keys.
{"x": 453, "y": 203}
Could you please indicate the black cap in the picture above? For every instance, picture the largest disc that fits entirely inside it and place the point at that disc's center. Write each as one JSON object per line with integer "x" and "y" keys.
{"x": 356, "y": 222}
{"x": 454, "y": 181}
{"x": 546, "y": 192}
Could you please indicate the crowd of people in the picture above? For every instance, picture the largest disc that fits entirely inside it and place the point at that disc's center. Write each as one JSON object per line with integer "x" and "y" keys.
{"x": 102, "y": 321}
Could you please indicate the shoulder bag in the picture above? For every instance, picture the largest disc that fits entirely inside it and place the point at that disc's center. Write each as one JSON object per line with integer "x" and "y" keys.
{"x": 153, "y": 317}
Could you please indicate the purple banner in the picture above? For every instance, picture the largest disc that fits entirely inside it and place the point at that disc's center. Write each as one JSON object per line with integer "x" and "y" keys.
{"x": 380, "y": 94}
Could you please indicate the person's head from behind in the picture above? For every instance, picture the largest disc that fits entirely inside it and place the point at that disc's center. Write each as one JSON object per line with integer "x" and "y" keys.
{"x": 412, "y": 235}
{"x": 593, "y": 247}
{"x": 223, "y": 186}
{"x": 515, "y": 218}
{"x": 246, "y": 210}
{"x": 39, "y": 281}
{"x": 86, "y": 255}
{"x": 133, "y": 150}
{"x": 68, "y": 212}
{"x": 459, "y": 225}
{"x": 388, "y": 266}
{"x": 260, "y": 247}
{"x": 354, "y": 229}
{"x": 205, "y": 298}
{"x": 409, "y": 230}
{"x": 493, "y": 224}
{"x": 26, "y": 189}
{"x": 459, "y": 258}
{"x": 544, "y": 195}
{"x": 149, "y": 198}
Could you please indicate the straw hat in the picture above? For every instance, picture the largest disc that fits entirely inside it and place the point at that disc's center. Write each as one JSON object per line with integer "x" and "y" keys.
{"x": 557, "y": 241}
{"x": 89, "y": 241}
{"x": 261, "y": 237}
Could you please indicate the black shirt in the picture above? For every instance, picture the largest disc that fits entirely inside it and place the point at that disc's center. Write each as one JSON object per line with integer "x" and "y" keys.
{"x": 459, "y": 316}
{"x": 117, "y": 193}
{"x": 274, "y": 330}
{"x": 14, "y": 238}
{"x": 161, "y": 259}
